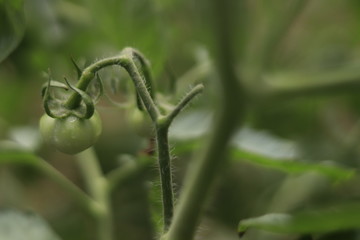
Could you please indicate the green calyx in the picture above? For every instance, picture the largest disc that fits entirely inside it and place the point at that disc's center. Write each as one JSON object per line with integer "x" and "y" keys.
{"x": 68, "y": 130}
{"x": 55, "y": 106}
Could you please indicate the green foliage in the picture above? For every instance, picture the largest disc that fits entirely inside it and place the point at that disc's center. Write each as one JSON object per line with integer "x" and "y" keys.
{"x": 336, "y": 218}
{"x": 294, "y": 166}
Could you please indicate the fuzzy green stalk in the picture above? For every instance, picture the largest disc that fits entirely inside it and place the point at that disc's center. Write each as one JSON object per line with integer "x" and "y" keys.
{"x": 162, "y": 123}
{"x": 164, "y": 159}
{"x": 125, "y": 60}
{"x": 162, "y": 129}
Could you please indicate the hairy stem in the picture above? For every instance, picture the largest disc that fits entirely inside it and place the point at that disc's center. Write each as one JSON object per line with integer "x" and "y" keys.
{"x": 142, "y": 90}
{"x": 145, "y": 67}
{"x": 142, "y": 81}
{"x": 164, "y": 159}
{"x": 98, "y": 188}
{"x": 125, "y": 60}
{"x": 184, "y": 102}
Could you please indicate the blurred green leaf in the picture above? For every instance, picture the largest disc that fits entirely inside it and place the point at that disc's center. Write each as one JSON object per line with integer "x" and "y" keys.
{"x": 255, "y": 146}
{"x": 28, "y": 137}
{"x": 12, "y": 26}
{"x": 293, "y": 165}
{"x": 316, "y": 221}
{"x": 270, "y": 151}
{"x": 12, "y": 152}
{"x": 190, "y": 125}
{"x": 16, "y": 225}
{"x": 308, "y": 185}
{"x": 264, "y": 143}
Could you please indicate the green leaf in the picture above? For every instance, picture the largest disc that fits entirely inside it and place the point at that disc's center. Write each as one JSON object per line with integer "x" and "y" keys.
{"x": 190, "y": 125}
{"x": 266, "y": 150}
{"x": 293, "y": 165}
{"x": 12, "y": 26}
{"x": 26, "y": 136}
{"x": 342, "y": 217}
{"x": 15, "y": 225}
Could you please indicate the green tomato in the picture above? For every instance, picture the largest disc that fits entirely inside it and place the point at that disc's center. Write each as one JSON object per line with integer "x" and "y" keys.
{"x": 71, "y": 134}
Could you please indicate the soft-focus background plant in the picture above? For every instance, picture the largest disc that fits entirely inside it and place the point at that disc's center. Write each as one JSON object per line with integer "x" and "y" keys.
{"x": 310, "y": 49}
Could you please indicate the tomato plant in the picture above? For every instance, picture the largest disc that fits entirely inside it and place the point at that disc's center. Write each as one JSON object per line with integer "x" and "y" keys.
{"x": 277, "y": 114}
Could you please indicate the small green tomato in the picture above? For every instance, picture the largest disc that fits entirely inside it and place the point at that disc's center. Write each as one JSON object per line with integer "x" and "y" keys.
{"x": 71, "y": 134}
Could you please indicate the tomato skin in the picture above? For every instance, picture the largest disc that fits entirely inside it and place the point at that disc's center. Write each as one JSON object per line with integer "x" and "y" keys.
{"x": 71, "y": 134}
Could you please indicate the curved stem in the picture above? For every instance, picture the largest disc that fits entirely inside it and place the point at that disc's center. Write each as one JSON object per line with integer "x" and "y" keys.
{"x": 184, "y": 102}
{"x": 142, "y": 90}
{"x": 97, "y": 185}
{"x": 145, "y": 68}
{"x": 125, "y": 60}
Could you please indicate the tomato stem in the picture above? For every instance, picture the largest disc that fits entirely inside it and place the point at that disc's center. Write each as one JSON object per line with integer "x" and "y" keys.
{"x": 130, "y": 59}
{"x": 184, "y": 102}
{"x": 164, "y": 160}
{"x": 126, "y": 59}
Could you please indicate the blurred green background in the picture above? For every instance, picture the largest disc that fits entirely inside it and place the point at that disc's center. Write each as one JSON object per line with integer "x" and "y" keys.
{"x": 309, "y": 49}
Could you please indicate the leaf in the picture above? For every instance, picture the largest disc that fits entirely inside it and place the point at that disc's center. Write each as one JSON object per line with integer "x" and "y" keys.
{"x": 294, "y": 166}
{"x": 28, "y": 137}
{"x": 255, "y": 146}
{"x": 269, "y": 151}
{"x": 16, "y": 225}
{"x": 12, "y": 26}
{"x": 341, "y": 217}
{"x": 309, "y": 186}
{"x": 190, "y": 125}
{"x": 264, "y": 143}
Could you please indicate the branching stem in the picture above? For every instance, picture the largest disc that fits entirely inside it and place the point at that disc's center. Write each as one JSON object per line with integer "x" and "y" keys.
{"x": 141, "y": 78}
{"x": 164, "y": 158}
{"x": 184, "y": 102}
{"x": 125, "y": 60}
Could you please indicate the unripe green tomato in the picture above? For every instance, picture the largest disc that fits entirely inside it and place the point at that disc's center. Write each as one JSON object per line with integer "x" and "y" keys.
{"x": 140, "y": 122}
{"x": 71, "y": 134}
